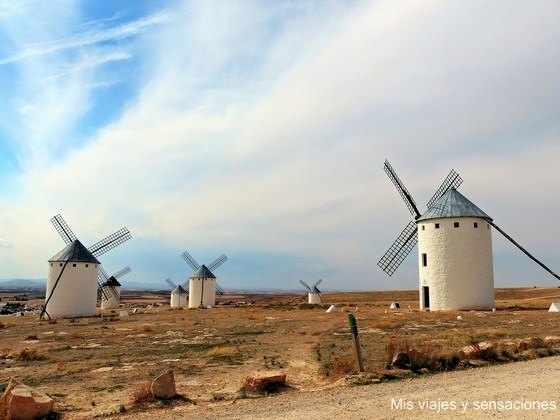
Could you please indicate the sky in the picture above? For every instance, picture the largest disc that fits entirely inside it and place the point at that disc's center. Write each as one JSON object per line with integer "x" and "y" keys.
{"x": 259, "y": 129}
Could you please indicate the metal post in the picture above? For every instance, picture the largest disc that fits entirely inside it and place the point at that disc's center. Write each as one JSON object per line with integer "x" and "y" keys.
{"x": 354, "y": 330}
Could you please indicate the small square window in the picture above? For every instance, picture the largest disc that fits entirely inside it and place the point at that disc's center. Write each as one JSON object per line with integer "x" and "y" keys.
{"x": 86, "y": 266}
{"x": 51, "y": 264}
{"x": 475, "y": 225}
{"x": 487, "y": 225}
{"x": 423, "y": 227}
{"x": 61, "y": 264}
{"x": 456, "y": 224}
{"x": 73, "y": 265}
{"x": 424, "y": 260}
{"x": 437, "y": 225}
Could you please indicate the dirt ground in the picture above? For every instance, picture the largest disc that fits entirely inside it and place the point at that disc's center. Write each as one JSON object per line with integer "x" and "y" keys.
{"x": 92, "y": 366}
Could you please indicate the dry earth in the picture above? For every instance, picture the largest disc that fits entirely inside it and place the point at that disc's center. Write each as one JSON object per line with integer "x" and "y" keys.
{"x": 92, "y": 366}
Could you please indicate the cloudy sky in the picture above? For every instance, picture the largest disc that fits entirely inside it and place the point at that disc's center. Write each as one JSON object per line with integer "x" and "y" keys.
{"x": 259, "y": 129}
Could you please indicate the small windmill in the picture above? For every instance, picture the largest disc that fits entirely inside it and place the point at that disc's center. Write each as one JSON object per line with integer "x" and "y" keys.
{"x": 178, "y": 294}
{"x": 314, "y": 294}
{"x": 110, "y": 290}
{"x": 202, "y": 283}
{"x": 73, "y": 273}
{"x": 454, "y": 248}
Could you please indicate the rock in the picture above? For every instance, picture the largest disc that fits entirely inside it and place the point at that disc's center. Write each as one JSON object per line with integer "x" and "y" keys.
{"x": 21, "y": 402}
{"x": 553, "y": 341}
{"x": 164, "y": 385}
{"x": 480, "y": 351}
{"x": 264, "y": 382}
{"x": 424, "y": 371}
{"x": 530, "y": 343}
{"x": 123, "y": 314}
{"x": 402, "y": 359}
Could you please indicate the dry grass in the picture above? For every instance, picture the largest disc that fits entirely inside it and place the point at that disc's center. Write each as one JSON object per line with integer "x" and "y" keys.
{"x": 342, "y": 365}
{"x": 492, "y": 332}
{"x": 142, "y": 394}
{"x": 2, "y": 325}
{"x": 145, "y": 329}
{"x": 382, "y": 324}
{"x": 75, "y": 335}
{"x": 29, "y": 355}
{"x": 32, "y": 337}
{"x": 223, "y": 351}
{"x": 390, "y": 350}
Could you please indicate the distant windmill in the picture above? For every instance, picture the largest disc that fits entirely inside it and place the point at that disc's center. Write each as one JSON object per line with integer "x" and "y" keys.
{"x": 110, "y": 289}
{"x": 314, "y": 294}
{"x": 178, "y": 294}
{"x": 454, "y": 248}
{"x": 73, "y": 273}
{"x": 202, "y": 283}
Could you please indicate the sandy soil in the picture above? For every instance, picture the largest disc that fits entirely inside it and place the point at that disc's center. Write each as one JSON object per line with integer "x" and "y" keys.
{"x": 532, "y": 381}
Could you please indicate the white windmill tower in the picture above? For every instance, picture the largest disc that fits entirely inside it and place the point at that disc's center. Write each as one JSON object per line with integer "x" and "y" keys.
{"x": 178, "y": 294}
{"x": 111, "y": 298}
{"x": 73, "y": 273}
{"x": 454, "y": 248}
{"x": 313, "y": 294}
{"x": 202, "y": 283}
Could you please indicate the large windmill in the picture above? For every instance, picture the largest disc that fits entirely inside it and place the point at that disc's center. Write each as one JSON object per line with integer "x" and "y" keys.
{"x": 110, "y": 289}
{"x": 454, "y": 248}
{"x": 178, "y": 294}
{"x": 202, "y": 283}
{"x": 73, "y": 273}
{"x": 313, "y": 293}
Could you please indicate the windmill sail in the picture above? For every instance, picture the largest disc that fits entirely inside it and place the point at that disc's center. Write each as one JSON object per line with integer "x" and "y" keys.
{"x": 63, "y": 229}
{"x": 402, "y": 246}
{"x": 408, "y": 200}
{"x": 110, "y": 242}
{"x": 190, "y": 260}
{"x": 453, "y": 180}
{"x": 217, "y": 262}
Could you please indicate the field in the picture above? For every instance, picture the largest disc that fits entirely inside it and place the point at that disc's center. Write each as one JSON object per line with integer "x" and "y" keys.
{"x": 92, "y": 366}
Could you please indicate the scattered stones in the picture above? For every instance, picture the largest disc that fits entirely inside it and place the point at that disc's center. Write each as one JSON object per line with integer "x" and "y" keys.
{"x": 530, "y": 343}
{"x": 163, "y": 386}
{"x": 264, "y": 382}
{"x": 553, "y": 341}
{"x": 21, "y": 402}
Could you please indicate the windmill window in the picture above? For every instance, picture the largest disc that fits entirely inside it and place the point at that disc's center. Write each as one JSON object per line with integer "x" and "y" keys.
{"x": 424, "y": 260}
{"x": 437, "y": 225}
{"x": 423, "y": 227}
{"x": 86, "y": 266}
{"x": 60, "y": 264}
{"x": 51, "y": 264}
{"x": 73, "y": 265}
{"x": 456, "y": 224}
{"x": 487, "y": 225}
{"x": 475, "y": 225}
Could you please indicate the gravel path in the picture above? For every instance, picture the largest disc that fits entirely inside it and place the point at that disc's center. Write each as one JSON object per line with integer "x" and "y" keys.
{"x": 529, "y": 382}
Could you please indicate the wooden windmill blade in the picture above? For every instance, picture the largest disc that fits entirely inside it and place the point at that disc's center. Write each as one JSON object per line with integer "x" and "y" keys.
{"x": 406, "y": 196}
{"x": 190, "y": 260}
{"x": 171, "y": 283}
{"x": 217, "y": 262}
{"x": 400, "y": 249}
{"x": 110, "y": 242}
{"x": 219, "y": 290}
{"x": 305, "y": 285}
{"x": 63, "y": 229}
{"x": 186, "y": 285}
{"x": 122, "y": 272}
{"x": 453, "y": 180}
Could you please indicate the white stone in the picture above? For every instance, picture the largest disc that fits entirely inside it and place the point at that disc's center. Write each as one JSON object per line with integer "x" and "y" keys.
{"x": 331, "y": 309}
{"x": 124, "y": 314}
{"x": 554, "y": 307}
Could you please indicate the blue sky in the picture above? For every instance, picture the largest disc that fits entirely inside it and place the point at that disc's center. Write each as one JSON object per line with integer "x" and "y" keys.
{"x": 259, "y": 129}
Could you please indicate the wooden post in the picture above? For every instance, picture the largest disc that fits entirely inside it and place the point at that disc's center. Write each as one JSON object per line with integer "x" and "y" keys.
{"x": 354, "y": 330}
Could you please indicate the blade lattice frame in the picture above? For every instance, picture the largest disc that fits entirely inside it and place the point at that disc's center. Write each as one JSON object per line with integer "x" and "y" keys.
{"x": 453, "y": 180}
{"x": 397, "y": 252}
{"x": 305, "y": 285}
{"x": 217, "y": 262}
{"x": 219, "y": 290}
{"x": 171, "y": 283}
{"x": 110, "y": 242}
{"x": 63, "y": 229}
{"x": 122, "y": 272}
{"x": 190, "y": 260}
{"x": 408, "y": 200}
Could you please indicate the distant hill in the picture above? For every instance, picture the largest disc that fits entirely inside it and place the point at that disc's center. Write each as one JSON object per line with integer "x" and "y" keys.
{"x": 39, "y": 284}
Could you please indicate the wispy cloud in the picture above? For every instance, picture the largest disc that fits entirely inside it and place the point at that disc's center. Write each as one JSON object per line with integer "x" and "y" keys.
{"x": 88, "y": 38}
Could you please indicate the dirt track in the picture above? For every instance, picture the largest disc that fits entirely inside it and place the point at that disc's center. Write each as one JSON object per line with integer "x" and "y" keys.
{"x": 535, "y": 380}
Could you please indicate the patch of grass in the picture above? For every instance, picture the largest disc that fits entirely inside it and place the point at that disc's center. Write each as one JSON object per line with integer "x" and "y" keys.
{"x": 145, "y": 329}
{"x": 223, "y": 351}
{"x": 30, "y": 355}
{"x": 74, "y": 335}
{"x": 142, "y": 394}
{"x": 32, "y": 337}
{"x": 390, "y": 350}
{"x": 492, "y": 332}
{"x": 380, "y": 323}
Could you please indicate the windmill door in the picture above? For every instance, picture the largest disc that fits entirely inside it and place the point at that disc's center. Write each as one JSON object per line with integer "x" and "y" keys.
{"x": 426, "y": 295}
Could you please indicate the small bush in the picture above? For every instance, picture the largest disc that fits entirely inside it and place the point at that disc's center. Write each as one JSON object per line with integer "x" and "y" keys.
{"x": 342, "y": 365}
{"x": 492, "y": 332}
{"x": 32, "y": 337}
{"x": 145, "y": 328}
{"x": 75, "y": 335}
{"x": 382, "y": 324}
{"x": 223, "y": 351}
{"x": 29, "y": 355}
{"x": 141, "y": 394}
{"x": 390, "y": 350}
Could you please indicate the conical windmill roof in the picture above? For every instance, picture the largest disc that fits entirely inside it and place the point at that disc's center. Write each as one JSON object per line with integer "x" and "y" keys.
{"x": 203, "y": 273}
{"x": 112, "y": 282}
{"x": 179, "y": 289}
{"x": 75, "y": 252}
{"x": 453, "y": 204}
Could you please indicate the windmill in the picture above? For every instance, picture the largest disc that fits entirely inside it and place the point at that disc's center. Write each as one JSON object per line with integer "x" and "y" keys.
{"x": 110, "y": 289}
{"x": 454, "y": 248}
{"x": 178, "y": 294}
{"x": 73, "y": 273}
{"x": 314, "y": 294}
{"x": 202, "y": 283}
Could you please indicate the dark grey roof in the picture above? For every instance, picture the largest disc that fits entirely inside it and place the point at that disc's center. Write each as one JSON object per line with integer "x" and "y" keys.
{"x": 179, "y": 289}
{"x": 453, "y": 204}
{"x": 111, "y": 282}
{"x": 203, "y": 273}
{"x": 75, "y": 252}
